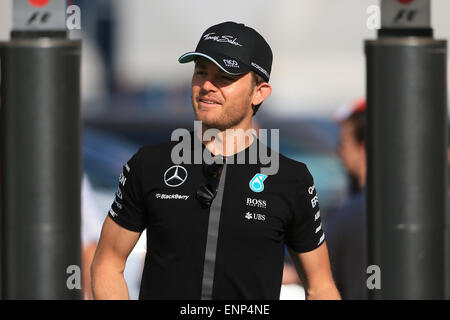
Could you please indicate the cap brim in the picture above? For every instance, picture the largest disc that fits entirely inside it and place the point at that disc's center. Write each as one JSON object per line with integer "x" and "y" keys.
{"x": 218, "y": 60}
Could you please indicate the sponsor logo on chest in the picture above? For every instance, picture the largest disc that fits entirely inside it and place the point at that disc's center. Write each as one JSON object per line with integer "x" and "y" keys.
{"x": 255, "y": 216}
{"x": 257, "y": 183}
{"x": 257, "y": 203}
{"x": 175, "y": 176}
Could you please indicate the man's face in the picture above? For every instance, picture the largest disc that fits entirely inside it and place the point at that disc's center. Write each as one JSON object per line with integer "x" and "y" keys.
{"x": 350, "y": 151}
{"x": 221, "y": 100}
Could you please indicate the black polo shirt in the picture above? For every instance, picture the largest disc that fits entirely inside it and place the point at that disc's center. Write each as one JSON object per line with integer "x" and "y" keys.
{"x": 233, "y": 249}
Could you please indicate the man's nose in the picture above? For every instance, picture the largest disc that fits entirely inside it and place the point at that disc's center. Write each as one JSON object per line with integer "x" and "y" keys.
{"x": 208, "y": 85}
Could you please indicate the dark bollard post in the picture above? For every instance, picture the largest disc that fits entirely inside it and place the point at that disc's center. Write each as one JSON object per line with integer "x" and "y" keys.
{"x": 406, "y": 152}
{"x": 41, "y": 155}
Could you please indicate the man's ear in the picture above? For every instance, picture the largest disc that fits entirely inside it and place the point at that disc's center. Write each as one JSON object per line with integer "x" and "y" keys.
{"x": 262, "y": 91}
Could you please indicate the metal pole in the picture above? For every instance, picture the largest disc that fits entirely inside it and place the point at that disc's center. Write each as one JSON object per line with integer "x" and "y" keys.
{"x": 41, "y": 164}
{"x": 407, "y": 166}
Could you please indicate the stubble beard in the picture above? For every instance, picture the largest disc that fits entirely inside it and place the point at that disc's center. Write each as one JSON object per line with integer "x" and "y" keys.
{"x": 229, "y": 119}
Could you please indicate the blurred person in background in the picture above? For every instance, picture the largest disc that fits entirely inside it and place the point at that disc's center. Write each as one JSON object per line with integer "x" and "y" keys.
{"x": 346, "y": 227}
{"x": 189, "y": 256}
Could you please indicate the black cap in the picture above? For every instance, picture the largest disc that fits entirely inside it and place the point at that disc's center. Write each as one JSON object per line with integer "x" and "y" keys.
{"x": 234, "y": 48}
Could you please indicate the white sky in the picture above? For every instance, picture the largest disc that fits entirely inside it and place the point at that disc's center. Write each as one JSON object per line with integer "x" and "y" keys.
{"x": 318, "y": 45}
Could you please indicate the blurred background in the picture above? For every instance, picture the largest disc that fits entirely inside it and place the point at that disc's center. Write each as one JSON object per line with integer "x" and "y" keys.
{"x": 134, "y": 92}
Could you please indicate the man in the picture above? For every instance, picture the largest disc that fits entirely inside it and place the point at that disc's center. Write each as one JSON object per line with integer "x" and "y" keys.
{"x": 216, "y": 230}
{"x": 346, "y": 227}
{"x": 352, "y": 144}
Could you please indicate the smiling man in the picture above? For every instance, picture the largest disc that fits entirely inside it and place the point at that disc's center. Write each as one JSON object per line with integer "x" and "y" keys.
{"x": 225, "y": 80}
{"x": 217, "y": 96}
{"x": 216, "y": 230}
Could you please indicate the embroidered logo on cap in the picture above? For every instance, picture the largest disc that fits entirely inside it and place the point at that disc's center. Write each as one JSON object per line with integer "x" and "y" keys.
{"x": 231, "y": 63}
{"x": 261, "y": 69}
{"x": 228, "y": 39}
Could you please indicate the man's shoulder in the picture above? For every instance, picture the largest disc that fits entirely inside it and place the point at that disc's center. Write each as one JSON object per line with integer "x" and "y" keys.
{"x": 290, "y": 166}
{"x": 162, "y": 148}
{"x": 292, "y": 163}
{"x": 157, "y": 148}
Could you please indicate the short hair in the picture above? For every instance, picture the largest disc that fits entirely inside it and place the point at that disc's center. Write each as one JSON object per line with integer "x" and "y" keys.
{"x": 257, "y": 80}
{"x": 358, "y": 119}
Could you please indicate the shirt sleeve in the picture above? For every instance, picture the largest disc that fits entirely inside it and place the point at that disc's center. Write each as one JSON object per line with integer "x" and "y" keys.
{"x": 127, "y": 209}
{"x": 305, "y": 233}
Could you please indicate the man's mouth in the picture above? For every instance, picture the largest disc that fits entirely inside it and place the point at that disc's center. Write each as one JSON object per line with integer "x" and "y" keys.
{"x": 208, "y": 103}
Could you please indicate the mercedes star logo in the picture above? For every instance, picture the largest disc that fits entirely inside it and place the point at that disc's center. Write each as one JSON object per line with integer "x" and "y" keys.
{"x": 175, "y": 176}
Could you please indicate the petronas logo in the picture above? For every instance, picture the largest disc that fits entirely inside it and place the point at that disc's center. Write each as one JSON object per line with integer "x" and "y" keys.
{"x": 257, "y": 183}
